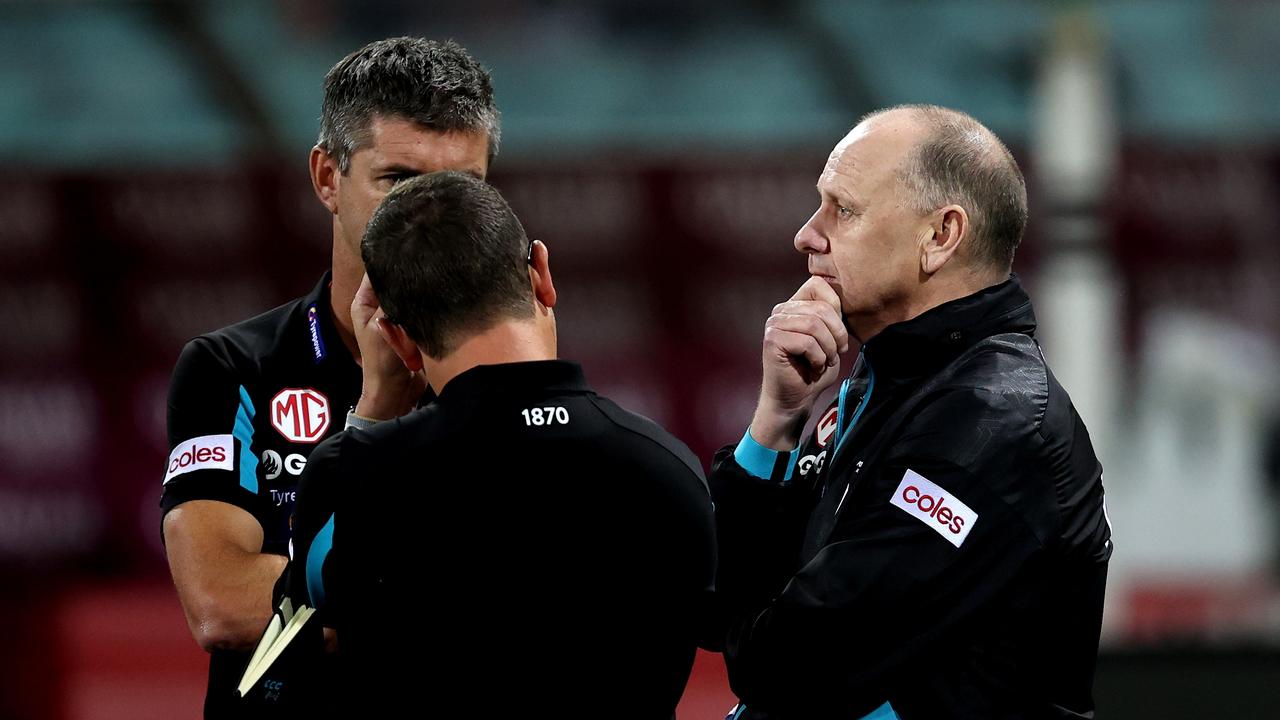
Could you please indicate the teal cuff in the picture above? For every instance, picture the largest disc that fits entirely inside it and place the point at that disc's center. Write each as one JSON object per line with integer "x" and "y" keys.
{"x": 762, "y": 462}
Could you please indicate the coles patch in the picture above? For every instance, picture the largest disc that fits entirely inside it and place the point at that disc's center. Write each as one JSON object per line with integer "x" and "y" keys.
{"x": 935, "y": 507}
{"x": 207, "y": 452}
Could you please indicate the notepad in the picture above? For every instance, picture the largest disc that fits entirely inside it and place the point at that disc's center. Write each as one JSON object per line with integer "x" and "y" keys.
{"x": 284, "y": 626}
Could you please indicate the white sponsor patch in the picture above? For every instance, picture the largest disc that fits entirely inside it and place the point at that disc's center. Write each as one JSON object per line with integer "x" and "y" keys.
{"x": 934, "y": 507}
{"x": 207, "y": 452}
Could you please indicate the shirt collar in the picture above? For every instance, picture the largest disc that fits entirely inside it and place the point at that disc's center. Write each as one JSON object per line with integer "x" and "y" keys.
{"x": 522, "y": 377}
{"x": 324, "y": 344}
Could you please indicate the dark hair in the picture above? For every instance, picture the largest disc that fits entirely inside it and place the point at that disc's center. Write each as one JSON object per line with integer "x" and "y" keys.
{"x": 446, "y": 257}
{"x": 437, "y": 85}
{"x": 960, "y": 161}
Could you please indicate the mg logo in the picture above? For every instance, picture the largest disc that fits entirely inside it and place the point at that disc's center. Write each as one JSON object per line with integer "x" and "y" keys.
{"x": 301, "y": 415}
{"x": 826, "y": 427}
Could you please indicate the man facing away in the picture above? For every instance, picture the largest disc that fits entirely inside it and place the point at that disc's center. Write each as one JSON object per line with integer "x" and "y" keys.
{"x": 522, "y": 543}
{"x": 938, "y": 546}
{"x": 249, "y": 403}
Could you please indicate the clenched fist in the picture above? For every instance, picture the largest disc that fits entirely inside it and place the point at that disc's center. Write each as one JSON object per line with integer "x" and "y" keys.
{"x": 803, "y": 339}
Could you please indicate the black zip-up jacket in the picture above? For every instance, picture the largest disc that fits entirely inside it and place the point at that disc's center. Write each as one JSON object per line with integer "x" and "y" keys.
{"x": 939, "y": 542}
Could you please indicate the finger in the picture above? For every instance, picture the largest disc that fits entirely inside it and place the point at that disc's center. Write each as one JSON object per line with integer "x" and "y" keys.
{"x": 815, "y": 288}
{"x": 365, "y": 305}
{"x": 811, "y": 325}
{"x": 384, "y": 328}
{"x": 833, "y": 320}
{"x": 365, "y": 296}
{"x": 798, "y": 346}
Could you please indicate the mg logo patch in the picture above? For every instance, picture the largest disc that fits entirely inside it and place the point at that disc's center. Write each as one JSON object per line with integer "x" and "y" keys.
{"x": 826, "y": 427}
{"x": 300, "y": 415}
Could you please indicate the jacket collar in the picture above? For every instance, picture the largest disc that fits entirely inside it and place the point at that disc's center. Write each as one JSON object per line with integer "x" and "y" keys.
{"x": 926, "y": 343}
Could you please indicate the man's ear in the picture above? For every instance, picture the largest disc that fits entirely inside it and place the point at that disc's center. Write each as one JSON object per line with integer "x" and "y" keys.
{"x": 404, "y": 346}
{"x": 325, "y": 178}
{"x": 544, "y": 290}
{"x": 948, "y": 230}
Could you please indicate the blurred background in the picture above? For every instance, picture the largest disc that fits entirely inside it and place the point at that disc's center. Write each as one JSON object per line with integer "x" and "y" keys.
{"x": 155, "y": 187}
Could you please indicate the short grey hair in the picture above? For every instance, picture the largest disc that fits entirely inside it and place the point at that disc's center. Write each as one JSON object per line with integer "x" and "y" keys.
{"x": 961, "y": 161}
{"x": 437, "y": 85}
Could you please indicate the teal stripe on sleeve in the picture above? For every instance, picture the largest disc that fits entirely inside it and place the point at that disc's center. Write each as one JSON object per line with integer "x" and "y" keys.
{"x": 243, "y": 431}
{"x": 759, "y": 460}
{"x": 316, "y": 555}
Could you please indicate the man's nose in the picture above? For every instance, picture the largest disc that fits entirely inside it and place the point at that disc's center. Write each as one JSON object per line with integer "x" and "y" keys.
{"x": 808, "y": 239}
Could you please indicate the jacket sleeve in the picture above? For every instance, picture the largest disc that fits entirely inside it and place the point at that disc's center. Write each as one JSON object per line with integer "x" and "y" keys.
{"x": 931, "y": 543}
{"x": 314, "y": 569}
{"x": 761, "y": 506}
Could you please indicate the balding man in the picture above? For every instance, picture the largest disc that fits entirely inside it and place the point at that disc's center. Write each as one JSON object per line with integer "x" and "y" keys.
{"x": 938, "y": 546}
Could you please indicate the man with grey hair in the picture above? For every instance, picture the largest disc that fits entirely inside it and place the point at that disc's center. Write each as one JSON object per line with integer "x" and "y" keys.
{"x": 937, "y": 547}
{"x": 249, "y": 403}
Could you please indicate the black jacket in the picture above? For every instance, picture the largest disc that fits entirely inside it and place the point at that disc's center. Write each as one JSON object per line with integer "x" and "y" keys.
{"x": 938, "y": 543}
